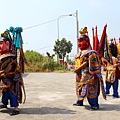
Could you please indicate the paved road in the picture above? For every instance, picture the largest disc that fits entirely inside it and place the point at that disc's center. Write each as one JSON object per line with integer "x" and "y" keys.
{"x": 50, "y": 97}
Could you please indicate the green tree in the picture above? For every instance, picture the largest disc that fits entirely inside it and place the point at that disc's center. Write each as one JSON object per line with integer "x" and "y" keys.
{"x": 62, "y": 48}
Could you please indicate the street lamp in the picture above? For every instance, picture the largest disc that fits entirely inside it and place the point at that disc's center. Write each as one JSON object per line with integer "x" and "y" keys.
{"x": 62, "y": 16}
{"x": 77, "y": 25}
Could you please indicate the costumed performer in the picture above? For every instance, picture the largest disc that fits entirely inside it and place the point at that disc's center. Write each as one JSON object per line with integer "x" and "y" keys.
{"x": 11, "y": 73}
{"x": 89, "y": 79}
{"x": 112, "y": 71}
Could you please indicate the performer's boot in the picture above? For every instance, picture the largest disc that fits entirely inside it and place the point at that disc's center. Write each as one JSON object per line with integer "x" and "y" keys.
{"x": 94, "y": 103}
{"x": 78, "y": 103}
{"x": 3, "y": 106}
{"x": 15, "y": 111}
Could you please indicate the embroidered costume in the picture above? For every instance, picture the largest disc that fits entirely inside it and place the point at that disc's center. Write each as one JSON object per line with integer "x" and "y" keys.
{"x": 89, "y": 80}
{"x": 12, "y": 62}
{"x": 112, "y": 70}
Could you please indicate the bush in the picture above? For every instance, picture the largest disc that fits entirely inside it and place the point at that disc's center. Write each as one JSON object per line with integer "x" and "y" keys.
{"x": 40, "y": 63}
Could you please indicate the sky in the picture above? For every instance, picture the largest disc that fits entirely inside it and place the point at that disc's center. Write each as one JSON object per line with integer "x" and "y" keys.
{"x": 39, "y": 20}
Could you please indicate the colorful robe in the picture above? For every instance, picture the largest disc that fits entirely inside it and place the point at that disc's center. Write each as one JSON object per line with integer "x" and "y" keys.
{"x": 11, "y": 78}
{"x": 112, "y": 70}
{"x": 88, "y": 79}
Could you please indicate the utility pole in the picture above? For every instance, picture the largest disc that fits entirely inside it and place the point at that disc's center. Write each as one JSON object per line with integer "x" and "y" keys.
{"x": 77, "y": 29}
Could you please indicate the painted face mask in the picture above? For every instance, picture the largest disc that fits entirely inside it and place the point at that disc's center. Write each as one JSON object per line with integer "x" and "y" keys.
{"x": 83, "y": 42}
{"x": 4, "y": 46}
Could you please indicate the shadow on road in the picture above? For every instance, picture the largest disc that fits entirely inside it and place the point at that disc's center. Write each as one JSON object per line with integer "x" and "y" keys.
{"x": 8, "y": 110}
{"x": 49, "y": 110}
{"x": 106, "y": 107}
{"x": 45, "y": 110}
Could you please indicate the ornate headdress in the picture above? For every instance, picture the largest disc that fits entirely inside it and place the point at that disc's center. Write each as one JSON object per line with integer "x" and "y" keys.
{"x": 83, "y": 40}
{"x": 83, "y": 31}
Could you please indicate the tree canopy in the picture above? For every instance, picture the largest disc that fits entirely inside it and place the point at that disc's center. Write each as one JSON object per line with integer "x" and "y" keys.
{"x": 62, "y": 47}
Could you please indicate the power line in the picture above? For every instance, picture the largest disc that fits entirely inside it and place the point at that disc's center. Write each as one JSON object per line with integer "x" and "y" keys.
{"x": 44, "y": 47}
{"x": 40, "y": 24}
{"x": 44, "y": 23}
